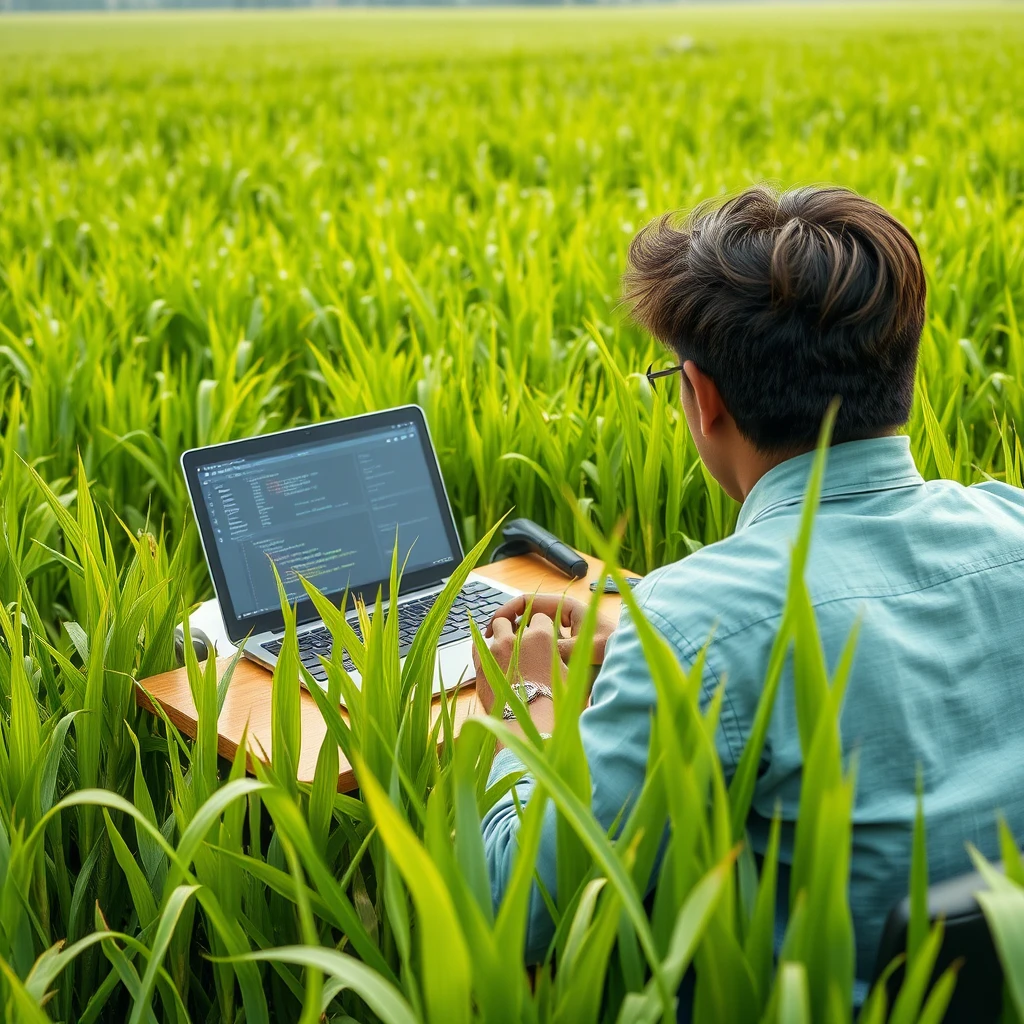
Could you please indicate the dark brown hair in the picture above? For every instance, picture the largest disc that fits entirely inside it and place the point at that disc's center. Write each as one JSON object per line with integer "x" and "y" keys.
{"x": 786, "y": 301}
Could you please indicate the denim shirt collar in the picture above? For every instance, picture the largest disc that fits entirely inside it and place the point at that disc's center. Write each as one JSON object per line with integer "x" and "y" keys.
{"x": 854, "y": 467}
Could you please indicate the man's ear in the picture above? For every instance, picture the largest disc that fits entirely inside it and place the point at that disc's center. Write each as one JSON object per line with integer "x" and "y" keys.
{"x": 705, "y": 394}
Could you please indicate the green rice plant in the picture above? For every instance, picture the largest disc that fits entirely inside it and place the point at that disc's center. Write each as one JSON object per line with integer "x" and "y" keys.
{"x": 1003, "y": 905}
{"x": 217, "y": 226}
{"x": 377, "y": 212}
{"x": 378, "y": 905}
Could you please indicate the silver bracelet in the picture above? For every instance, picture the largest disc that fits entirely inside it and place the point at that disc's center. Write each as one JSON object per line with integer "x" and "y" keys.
{"x": 527, "y": 693}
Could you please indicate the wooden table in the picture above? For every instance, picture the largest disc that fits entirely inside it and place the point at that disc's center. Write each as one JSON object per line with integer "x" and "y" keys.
{"x": 247, "y": 703}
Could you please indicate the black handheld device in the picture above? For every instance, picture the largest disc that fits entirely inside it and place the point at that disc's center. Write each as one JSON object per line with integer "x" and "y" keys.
{"x": 201, "y": 644}
{"x": 524, "y": 535}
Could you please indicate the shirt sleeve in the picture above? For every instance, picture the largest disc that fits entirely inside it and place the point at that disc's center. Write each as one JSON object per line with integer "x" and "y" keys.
{"x": 615, "y": 730}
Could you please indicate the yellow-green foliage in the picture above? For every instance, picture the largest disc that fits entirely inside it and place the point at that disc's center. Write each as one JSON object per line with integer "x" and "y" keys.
{"x": 218, "y": 224}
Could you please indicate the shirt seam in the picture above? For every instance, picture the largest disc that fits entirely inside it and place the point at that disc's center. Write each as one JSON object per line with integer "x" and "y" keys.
{"x": 917, "y": 587}
{"x": 730, "y": 727}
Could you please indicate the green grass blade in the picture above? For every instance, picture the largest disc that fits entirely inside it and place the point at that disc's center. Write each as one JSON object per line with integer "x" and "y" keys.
{"x": 169, "y": 917}
{"x": 445, "y": 957}
{"x": 386, "y": 1001}
{"x": 917, "y": 928}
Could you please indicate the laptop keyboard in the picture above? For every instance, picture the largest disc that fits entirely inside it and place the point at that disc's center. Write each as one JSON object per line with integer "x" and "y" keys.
{"x": 475, "y": 597}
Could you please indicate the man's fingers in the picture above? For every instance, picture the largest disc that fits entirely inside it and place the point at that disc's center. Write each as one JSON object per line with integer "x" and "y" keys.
{"x": 540, "y": 604}
{"x": 541, "y": 623}
{"x": 548, "y": 605}
{"x": 508, "y": 612}
{"x": 501, "y": 628}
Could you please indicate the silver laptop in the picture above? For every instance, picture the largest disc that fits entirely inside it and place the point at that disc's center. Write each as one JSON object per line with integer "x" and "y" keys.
{"x": 329, "y": 503}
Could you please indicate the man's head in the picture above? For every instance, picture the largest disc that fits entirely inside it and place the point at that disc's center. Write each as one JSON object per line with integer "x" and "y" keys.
{"x": 776, "y": 304}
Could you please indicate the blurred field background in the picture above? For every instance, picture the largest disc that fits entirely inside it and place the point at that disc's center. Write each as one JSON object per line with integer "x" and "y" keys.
{"x": 223, "y": 223}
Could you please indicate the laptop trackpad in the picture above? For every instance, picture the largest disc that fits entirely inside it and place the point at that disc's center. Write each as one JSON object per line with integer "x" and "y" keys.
{"x": 454, "y": 666}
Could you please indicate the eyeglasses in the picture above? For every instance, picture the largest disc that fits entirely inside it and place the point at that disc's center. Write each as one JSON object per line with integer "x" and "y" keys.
{"x": 653, "y": 374}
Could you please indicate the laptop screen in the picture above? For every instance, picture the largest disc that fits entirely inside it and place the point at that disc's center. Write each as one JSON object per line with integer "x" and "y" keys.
{"x": 326, "y": 508}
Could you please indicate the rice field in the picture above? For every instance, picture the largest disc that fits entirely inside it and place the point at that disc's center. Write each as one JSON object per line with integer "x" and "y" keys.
{"x": 218, "y": 224}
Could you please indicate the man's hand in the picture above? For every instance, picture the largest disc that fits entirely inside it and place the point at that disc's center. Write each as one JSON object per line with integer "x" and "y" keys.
{"x": 535, "y": 655}
{"x": 545, "y": 607}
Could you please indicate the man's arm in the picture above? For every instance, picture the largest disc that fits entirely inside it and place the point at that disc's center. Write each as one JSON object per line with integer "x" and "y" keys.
{"x": 615, "y": 730}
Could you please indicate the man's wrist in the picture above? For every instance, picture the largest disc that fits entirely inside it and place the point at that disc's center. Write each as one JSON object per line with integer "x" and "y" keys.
{"x": 528, "y": 692}
{"x": 542, "y": 713}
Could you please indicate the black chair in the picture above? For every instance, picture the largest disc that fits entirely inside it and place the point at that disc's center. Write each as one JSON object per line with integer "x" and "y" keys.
{"x": 978, "y": 996}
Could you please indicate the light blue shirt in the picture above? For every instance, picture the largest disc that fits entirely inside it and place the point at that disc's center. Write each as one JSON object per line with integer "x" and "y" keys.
{"x": 935, "y": 572}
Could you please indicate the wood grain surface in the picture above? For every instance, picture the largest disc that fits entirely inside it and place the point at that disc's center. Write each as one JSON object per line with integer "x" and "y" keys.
{"x": 247, "y": 704}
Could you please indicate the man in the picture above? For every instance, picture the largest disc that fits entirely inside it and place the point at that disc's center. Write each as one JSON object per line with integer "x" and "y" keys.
{"x": 772, "y": 306}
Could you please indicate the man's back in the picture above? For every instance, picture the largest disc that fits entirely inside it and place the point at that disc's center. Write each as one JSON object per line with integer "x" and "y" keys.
{"x": 934, "y": 573}
{"x": 773, "y": 306}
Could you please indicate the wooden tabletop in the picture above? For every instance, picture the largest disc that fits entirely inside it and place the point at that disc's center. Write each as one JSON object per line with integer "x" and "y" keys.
{"x": 247, "y": 704}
